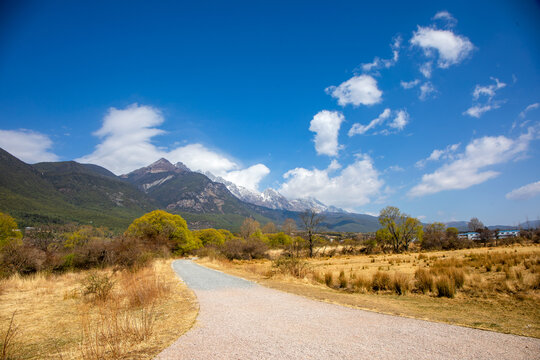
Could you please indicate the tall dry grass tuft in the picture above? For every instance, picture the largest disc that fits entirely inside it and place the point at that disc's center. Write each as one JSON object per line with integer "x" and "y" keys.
{"x": 381, "y": 281}
{"x": 424, "y": 281}
{"x": 401, "y": 283}
{"x": 112, "y": 326}
{"x": 445, "y": 287}
{"x": 7, "y": 341}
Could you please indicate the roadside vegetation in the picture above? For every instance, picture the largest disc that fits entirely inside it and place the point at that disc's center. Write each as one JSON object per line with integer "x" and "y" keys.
{"x": 81, "y": 293}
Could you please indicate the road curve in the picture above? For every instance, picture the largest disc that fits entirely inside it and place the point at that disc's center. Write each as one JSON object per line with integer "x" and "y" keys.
{"x": 239, "y": 319}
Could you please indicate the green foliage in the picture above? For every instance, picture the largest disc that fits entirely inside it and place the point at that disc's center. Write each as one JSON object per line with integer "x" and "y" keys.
{"x": 97, "y": 286}
{"x": 160, "y": 226}
{"x": 402, "y": 228}
{"x": 210, "y": 237}
{"x": 8, "y": 230}
{"x": 279, "y": 240}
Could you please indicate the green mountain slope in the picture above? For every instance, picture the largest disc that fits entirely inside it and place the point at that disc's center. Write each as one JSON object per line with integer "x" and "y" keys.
{"x": 67, "y": 192}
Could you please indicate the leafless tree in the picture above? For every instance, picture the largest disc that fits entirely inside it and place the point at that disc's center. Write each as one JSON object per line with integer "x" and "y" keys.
{"x": 311, "y": 221}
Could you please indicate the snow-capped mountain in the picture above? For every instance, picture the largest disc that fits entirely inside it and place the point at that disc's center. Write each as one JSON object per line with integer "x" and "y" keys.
{"x": 272, "y": 199}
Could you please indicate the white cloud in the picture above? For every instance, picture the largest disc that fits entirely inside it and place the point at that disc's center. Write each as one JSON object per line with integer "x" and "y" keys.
{"x": 426, "y": 89}
{"x": 126, "y": 144}
{"x": 444, "y": 154}
{"x": 478, "y": 110}
{"x": 488, "y": 90}
{"x": 325, "y": 124}
{"x": 486, "y": 94}
{"x": 468, "y": 167}
{"x": 379, "y": 63}
{"x": 446, "y": 16}
{"x": 29, "y": 146}
{"x": 249, "y": 177}
{"x": 451, "y": 48}
{"x": 529, "y": 108}
{"x": 401, "y": 119}
{"x": 426, "y": 69}
{"x": 410, "y": 84}
{"x": 358, "y": 128}
{"x": 354, "y": 186}
{"x": 358, "y": 90}
{"x": 525, "y": 192}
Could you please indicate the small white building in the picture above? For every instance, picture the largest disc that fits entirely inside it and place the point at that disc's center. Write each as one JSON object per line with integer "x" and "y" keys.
{"x": 471, "y": 235}
{"x": 503, "y": 234}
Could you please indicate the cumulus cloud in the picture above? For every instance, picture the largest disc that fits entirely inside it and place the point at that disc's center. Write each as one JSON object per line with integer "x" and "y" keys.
{"x": 525, "y": 192}
{"x": 379, "y": 63}
{"x": 483, "y": 98}
{"x": 409, "y": 84}
{"x": 355, "y": 185}
{"x": 325, "y": 124}
{"x": 401, "y": 119}
{"x": 443, "y": 154}
{"x": 358, "y": 90}
{"x": 527, "y": 109}
{"x": 126, "y": 144}
{"x": 469, "y": 167}
{"x": 426, "y": 89}
{"x": 450, "y": 47}
{"x": 29, "y": 146}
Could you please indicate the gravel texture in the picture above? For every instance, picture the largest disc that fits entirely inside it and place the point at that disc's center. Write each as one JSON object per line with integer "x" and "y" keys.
{"x": 239, "y": 319}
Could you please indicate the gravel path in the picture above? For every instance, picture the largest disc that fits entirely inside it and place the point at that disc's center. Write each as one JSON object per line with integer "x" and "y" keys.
{"x": 239, "y": 319}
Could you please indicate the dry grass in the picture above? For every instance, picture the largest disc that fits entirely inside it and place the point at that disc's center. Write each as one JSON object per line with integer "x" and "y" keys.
{"x": 494, "y": 289}
{"x": 68, "y": 317}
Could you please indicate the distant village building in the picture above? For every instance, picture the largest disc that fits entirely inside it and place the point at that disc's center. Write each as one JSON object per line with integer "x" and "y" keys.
{"x": 502, "y": 234}
{"x": 470, "y": 235}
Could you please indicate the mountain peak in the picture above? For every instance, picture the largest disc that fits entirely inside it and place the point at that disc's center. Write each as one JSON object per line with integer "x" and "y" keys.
{"x": 161, "y": 165}
{"x": 180, "y": 165}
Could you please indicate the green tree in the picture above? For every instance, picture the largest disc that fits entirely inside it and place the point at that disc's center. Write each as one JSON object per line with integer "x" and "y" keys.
{"x": 279, "y": 240}
{"x": 8, "y": 230}
{"x": 159, "y": 225}
{"x": 402, "y": 228}
{"x": 210, "y": 237}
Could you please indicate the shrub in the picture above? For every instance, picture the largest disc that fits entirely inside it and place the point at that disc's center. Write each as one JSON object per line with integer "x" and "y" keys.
{"x": 97, "y": 286}
{"x": 291, "y": 265}
{"x": 329, "y": 279}
{"x": 380, "y": 281}
{"x": 400, "y": 283}
{"x": 361, "y": 283}
{"x": 445, "y": 287}
{"x": 240, "y": 249}
{"x": 342, "y": 280}
{"x": 424, "y": 280}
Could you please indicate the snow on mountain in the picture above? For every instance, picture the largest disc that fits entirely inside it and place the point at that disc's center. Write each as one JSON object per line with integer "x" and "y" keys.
{"x": 271, "y": 198}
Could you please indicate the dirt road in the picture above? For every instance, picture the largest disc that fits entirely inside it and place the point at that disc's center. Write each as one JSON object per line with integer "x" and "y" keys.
{"x": 239, "y": 319}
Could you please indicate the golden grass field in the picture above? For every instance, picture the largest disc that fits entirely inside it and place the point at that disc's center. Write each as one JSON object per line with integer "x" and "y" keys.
{"x": 500, "y": 289}
{"x": 144, "y": 313}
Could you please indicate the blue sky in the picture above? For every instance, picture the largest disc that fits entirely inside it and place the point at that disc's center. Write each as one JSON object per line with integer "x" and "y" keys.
{"x": 432, "y": 107}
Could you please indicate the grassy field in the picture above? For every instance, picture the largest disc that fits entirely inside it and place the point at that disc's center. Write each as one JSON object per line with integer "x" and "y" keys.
{"x": 488, "y": 288}
{"x": 94, "y": 315}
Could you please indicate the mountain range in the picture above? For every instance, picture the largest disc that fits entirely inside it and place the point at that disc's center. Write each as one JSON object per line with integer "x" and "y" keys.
{"x": 63, "y": 192}
{"x": 67, "y": 191}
